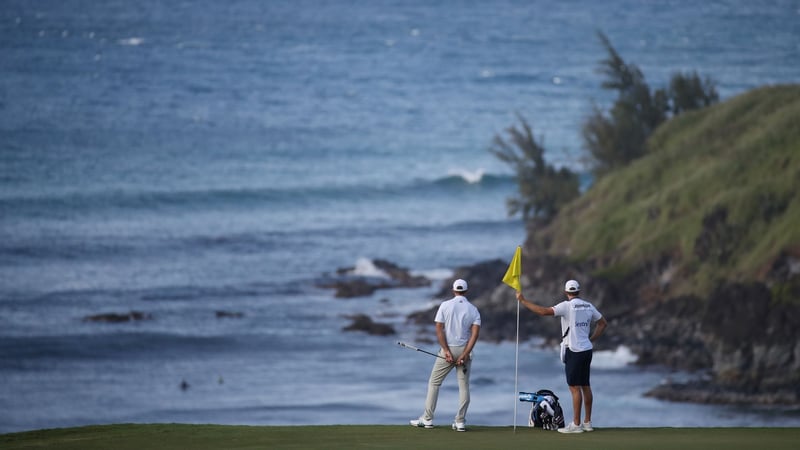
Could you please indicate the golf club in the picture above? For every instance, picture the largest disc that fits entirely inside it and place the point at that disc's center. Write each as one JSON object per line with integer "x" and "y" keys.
{"x": 408, "y": 346}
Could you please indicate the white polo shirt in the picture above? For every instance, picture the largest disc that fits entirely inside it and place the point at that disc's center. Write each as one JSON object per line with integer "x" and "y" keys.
{"x": 577, "y": 315}
{"x": 458, "y": 315}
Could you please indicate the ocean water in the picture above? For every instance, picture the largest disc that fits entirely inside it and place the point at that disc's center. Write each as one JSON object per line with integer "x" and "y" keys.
{"x": 184, "y": 158}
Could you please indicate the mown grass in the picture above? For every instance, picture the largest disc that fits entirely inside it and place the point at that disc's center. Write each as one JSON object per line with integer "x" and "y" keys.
{"x": 201, "y": 437}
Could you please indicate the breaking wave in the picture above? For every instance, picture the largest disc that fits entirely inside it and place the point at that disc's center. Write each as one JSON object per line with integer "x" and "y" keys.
{"x": 160, "y": 200}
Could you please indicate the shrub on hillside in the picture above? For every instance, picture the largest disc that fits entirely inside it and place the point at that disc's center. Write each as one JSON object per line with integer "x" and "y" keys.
{"x": 617, "y": 137}
{"x": 542, "y": 187}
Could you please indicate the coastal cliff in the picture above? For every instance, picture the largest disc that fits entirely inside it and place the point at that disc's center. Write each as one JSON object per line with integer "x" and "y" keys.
{"x": 691, "y": 252}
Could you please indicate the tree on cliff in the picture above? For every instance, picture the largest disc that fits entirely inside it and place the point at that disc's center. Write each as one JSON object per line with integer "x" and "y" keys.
{"x": 618, "y": 137}
{"x": 542, "y": 187}
{"x": 612, "y": 139}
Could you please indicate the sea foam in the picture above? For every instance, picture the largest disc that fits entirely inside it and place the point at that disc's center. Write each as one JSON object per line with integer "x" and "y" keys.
{"x": 132, "y": 41}
{"x": 613, "y": 359}
{"x": 471, "y": 177}
{"x": 366, "y": 268}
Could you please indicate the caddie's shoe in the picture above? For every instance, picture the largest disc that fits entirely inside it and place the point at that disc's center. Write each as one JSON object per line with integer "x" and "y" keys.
{"x": 587, "y": 426}
{"x": 459, "y": 426}
{"x": 571, "y": 428}
{"x": 421, "y": 423}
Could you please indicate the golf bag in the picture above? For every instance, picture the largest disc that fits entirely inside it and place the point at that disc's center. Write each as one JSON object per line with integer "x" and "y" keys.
{"x": 546, "y": 412}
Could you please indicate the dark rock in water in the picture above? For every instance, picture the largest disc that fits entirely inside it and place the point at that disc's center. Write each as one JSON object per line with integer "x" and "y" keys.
{"x": 229, "y": 314}
{"x": 401, "y": 275}
{"x": 348, "y": 284}
{"x": 362, "y": 322}
{"x": 118, "y": 318}
{"x": 704, "y": 391}
{"x": 358, "y": 287}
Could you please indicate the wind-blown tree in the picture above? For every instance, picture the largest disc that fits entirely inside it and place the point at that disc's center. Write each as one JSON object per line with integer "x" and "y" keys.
{"x": 542, "y": 187}
{"x": 688, "y": 91}
{"x": 613, "y": 138}
{"x": 616, "y": 138}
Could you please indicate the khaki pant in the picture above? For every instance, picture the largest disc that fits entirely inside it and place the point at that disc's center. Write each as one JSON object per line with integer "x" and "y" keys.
{"x": 439, "y": 372}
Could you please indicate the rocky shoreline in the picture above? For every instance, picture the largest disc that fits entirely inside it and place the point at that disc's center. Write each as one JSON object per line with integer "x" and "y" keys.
{"x": 741, "y": 345}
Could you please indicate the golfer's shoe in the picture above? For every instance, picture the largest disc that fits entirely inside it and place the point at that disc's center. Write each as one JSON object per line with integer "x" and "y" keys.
{"x": 421, "y": 423}
{"x": 571, "y": 428}
{"x": 587, "y": 426}
{"x": 459, "y": 426}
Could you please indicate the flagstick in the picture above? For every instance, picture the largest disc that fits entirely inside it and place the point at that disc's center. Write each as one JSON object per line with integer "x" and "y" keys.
{"x": 511, "y": 278}
{"x": 516, "y": 371}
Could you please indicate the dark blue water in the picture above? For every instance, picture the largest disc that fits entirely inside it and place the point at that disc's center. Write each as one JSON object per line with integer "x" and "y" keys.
{"x": 184, "y": 158}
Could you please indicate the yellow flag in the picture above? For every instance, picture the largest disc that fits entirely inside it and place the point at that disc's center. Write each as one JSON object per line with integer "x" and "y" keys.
{"x": 514, "y": 270}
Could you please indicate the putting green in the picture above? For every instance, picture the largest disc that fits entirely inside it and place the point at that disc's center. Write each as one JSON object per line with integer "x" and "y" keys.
{"x": 199, "y": 437}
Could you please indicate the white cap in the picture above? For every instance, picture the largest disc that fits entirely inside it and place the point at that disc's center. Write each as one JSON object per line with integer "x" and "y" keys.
{"x": 460, "y": 285}
{"x": 572, "y": 286}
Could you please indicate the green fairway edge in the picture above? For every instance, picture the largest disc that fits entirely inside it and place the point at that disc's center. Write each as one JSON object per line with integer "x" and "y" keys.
{"x": 199, "y": 437}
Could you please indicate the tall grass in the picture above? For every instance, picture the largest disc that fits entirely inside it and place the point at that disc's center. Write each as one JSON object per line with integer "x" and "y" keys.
{"x": 739, "y": 159}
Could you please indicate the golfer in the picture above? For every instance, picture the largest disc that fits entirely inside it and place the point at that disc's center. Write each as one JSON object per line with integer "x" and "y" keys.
{"x": 458, "y": 324}
{"x": 577, "y": 316}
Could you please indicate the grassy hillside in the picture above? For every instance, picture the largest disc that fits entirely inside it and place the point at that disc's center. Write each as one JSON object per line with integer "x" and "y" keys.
{"x": 200, "y": 437}
{"x": 718, "y": 196}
